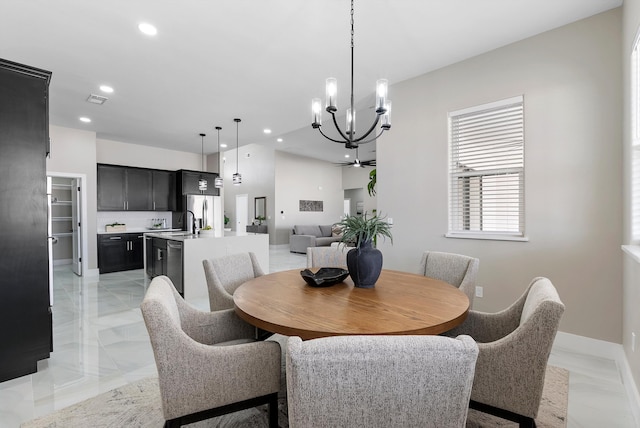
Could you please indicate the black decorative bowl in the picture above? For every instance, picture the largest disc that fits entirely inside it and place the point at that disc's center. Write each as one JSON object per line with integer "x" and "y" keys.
{"x": 324, "y": 277}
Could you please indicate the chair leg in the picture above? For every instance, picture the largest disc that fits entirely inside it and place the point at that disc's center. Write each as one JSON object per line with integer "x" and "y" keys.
{"x": 273, "y": 411}
{"x": 527, "y": 423}
{"x": 172, "y": 423}
{"x": 523, "y": 421}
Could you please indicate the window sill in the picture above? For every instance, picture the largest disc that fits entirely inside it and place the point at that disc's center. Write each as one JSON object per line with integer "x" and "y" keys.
{"x": 633, "y": 251}
{"x": 488, "y": 237}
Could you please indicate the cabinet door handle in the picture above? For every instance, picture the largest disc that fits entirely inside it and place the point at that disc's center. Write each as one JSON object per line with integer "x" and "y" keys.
{"x": 159, "y": 254}
{"x": 115, "y": 238}
{"x": 154, "y": 205}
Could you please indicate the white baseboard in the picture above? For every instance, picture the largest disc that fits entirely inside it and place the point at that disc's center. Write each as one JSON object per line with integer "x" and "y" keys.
{"x": 92, "y": 273}
{"x": 608, "y": 350}
{"x": 60, "y": 262}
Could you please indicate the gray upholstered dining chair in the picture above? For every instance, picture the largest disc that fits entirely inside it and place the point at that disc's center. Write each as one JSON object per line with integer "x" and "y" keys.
{"x": 207, "y": 363}
{"x": 456, "y": 269}
{"x": 379, "y": 381}
{"x": 334, "y": 256}
{"x": 514, "y": 346}
{"x": 225, "y": 274}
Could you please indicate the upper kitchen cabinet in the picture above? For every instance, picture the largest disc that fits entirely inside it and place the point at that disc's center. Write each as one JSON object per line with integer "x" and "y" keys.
{"x": 189, "y": 183}
{"x": 164, "y": 190}
{"x": 25, "y": 312}
{"x": 123, "y": 188}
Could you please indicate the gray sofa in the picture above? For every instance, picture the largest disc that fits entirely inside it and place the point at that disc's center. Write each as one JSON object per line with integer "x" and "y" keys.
{"x": 303, "y": 237}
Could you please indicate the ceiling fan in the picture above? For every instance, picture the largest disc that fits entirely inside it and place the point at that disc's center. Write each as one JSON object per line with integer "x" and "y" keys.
{"x": 357, "y": 163}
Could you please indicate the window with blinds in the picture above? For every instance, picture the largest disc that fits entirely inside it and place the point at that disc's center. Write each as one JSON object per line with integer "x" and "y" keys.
{"x": 486, "y": 171}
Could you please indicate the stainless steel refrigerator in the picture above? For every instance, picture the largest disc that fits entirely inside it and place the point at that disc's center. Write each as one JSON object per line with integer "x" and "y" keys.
{"x": 207, "y": 210}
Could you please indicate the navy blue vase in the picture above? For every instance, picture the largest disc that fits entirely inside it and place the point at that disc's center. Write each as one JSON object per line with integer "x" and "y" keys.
{"x": 364, "y": 264}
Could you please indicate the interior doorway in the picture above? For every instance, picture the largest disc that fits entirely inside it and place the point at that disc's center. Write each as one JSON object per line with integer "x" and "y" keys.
{"x": 67, "y": 220}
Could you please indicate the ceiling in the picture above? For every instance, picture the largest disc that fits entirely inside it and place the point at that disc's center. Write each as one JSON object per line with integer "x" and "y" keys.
{"x": 261, "y": 61}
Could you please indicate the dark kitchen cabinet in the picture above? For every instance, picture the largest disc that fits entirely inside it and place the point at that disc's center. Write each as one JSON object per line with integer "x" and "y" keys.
{"x": 189, "y": 182}
{"x": 112, "y": 185}
{"x": 122, "y": 188}
{"x": 25, "y": 311}
{"x": 164, "y": 190}
{"x": 121, "y": 251}
{"x": 139, "y": 189}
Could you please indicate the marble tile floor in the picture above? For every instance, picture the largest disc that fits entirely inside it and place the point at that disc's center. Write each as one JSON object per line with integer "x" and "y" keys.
{"x": 100, "y": 342}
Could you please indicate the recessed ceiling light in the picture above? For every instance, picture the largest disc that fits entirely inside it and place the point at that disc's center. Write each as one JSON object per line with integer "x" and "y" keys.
{"x": 85, "y": 119}
{"x": 223, "y": 145}
{"x": 267, "y": 131}
{"x": 279, "y": 140}
{"x": 147, "y": 29}
{"x": 107, "y": 89}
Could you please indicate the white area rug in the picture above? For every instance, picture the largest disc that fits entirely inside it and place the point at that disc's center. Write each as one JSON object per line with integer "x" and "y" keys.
{"x": 138, "y": 405}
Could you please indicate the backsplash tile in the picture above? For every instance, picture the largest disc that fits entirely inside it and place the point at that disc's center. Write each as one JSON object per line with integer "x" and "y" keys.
{"x": 133, "y": 219}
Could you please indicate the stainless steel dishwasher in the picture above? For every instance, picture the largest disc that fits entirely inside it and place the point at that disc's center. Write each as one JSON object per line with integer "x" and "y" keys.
{"x": 174, "y": 264}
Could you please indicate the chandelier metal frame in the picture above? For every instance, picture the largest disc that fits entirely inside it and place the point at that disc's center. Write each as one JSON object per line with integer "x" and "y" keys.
{"x": 383, "y": 109}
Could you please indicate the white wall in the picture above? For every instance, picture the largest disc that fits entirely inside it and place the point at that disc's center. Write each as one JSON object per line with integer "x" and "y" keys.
{"x": 631, "y": 288}
{"x": 300, "y": 178}
{"x": 119, "y": 153}
{"x": 571, "y": 81}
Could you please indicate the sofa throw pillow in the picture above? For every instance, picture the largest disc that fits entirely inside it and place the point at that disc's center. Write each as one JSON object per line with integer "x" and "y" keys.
{"x": 336, "y": 231}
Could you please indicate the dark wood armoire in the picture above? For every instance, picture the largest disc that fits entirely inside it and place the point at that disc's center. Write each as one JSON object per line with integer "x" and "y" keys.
{"x": 25, "y": 310}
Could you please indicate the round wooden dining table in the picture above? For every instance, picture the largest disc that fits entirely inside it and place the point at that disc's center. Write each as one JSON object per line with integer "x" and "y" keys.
{"x": 400, "y": 303}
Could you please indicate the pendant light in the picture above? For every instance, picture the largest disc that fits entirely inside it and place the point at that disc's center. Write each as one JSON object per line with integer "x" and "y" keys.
{"x": 218, "y": 182}
{"x": 202, "y": 182}
{"x": 237, "y": 177}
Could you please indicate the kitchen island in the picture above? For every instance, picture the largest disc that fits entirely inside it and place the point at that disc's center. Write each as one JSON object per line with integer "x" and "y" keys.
{"x": 179, "y": 255}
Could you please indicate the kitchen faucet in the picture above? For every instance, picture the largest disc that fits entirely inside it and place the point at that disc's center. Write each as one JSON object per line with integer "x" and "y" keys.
{"x": 193, "y": 226}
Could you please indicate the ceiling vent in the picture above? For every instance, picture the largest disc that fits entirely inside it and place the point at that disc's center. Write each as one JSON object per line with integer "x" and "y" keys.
{"x": 97, "y": 99}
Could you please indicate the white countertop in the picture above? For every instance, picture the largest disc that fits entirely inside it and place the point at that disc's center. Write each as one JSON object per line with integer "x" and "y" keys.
{"x": 181, "y": 235}
{"x": 136, "y": 230}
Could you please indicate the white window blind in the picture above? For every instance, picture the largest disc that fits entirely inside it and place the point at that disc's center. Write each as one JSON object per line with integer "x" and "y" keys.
{"x": 486, "y": 170}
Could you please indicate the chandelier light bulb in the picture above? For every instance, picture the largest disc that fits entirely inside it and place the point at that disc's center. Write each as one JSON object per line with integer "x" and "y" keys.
{"x": 351, "y": 122}
{"x": 331, "y": 93}
{"x": 316, "y": 112}
{"x": 386, "y": 117}
{"x": 381, "y": 94}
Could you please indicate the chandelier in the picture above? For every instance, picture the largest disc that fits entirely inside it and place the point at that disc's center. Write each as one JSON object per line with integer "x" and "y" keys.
{"x": 348, "y": 137}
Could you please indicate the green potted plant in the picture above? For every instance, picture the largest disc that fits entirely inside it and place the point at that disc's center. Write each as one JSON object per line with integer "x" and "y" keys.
{"x": 364, "y": 261}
